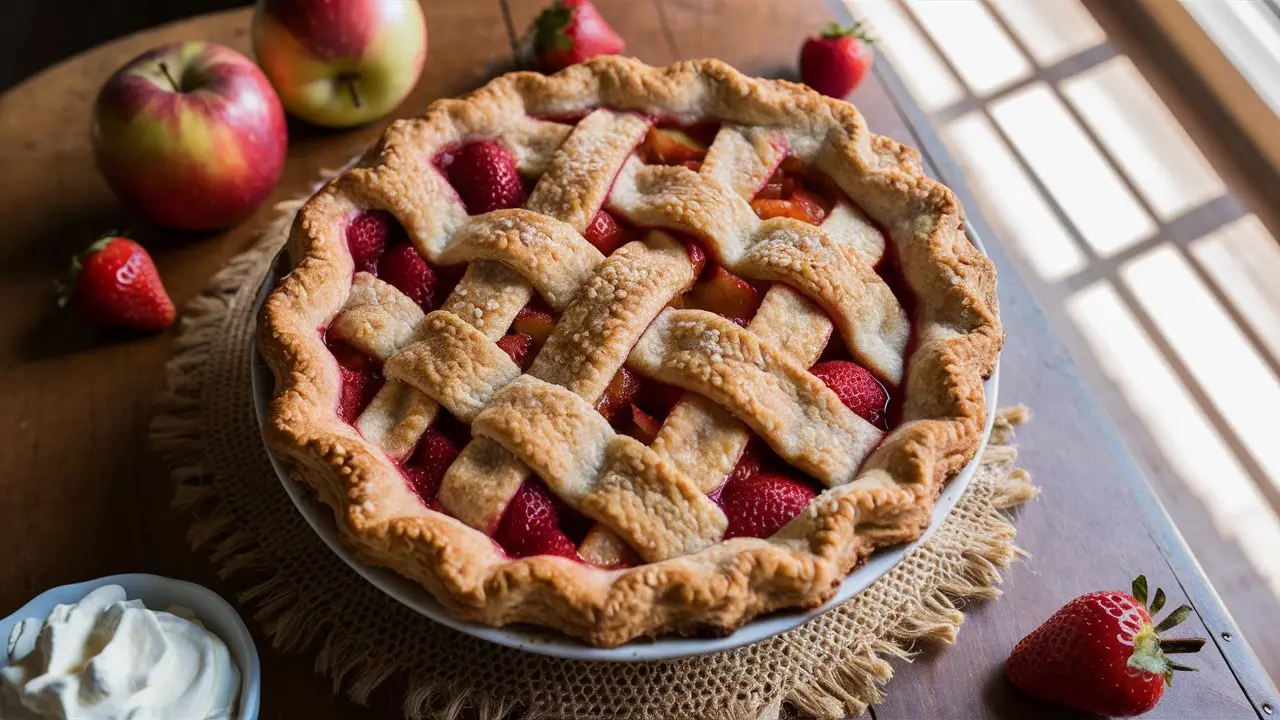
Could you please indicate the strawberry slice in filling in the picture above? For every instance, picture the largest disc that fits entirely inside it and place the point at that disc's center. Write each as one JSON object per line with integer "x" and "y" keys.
{"x": 762, "y": 494}
{"x": 361, "y": 378}
{"x": 531, "y": 524}
{"x": 484, "y": 174}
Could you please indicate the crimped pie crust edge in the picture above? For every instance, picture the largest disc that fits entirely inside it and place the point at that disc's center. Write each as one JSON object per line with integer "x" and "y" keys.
{"x": 717, "y": 589}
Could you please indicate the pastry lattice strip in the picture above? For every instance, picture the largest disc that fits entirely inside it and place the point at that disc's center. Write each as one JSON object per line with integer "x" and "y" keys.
{"x": 487, "y": 237}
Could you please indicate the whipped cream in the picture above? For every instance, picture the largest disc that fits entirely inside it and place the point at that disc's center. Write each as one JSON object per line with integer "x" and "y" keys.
{"x": 107, "y": 657}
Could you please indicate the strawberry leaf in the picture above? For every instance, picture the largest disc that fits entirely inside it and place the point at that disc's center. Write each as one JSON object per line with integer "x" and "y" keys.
{"x": 1175, "y": 617}
{"x": 833, "y": 31}
{"x": 1140, "y": 589}
{"x": 1174, "y": 666}
{"x": 551, "y": 25}
{"x": 66, "y": 286}
{"x": 1157, "y": 603}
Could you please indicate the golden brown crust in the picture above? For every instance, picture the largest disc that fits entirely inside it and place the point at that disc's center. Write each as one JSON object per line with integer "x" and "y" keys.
{"x": 713, "y": 588}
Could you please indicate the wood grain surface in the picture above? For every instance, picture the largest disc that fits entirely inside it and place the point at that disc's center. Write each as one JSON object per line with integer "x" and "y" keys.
{"x": 84, "y": 497}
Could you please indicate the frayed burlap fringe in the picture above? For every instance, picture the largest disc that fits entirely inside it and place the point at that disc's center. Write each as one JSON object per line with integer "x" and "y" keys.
{"x": 831, "y": 667}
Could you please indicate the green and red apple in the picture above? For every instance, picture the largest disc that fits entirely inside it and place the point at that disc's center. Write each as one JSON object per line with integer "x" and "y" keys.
{"x": 339, "y": 63}
{"x": 191, "y": 135}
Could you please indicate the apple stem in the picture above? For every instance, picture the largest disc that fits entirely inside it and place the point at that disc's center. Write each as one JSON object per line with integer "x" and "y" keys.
{"x": 350, "y": 80}
{"x": 165, "y": 69}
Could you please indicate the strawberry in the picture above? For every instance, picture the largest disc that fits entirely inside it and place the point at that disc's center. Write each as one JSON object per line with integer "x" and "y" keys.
{"x": 836, "y": 59}
{"x": 360, "y": 376}
{"x": 531, "y": 525}
{"x": 605, "y": 233}
{"x": 484, "y": 174}
{"x": 114, "y": 283}
{"x": 519, "y": 347}
{"x": 750, "y": 463}
{"x": 408, "y": 272}
{"x": 367, "y": 236}
{"x": 857, "y": 388}
{"x": 760, "y": 504}
{"x": 426, "y": 468}
{"x": 572, "y": 31}
{"x": 1101, "y": 654}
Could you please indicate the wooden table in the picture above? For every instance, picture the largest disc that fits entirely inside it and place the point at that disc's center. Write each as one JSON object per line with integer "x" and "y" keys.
{"x": 83, "y": 496}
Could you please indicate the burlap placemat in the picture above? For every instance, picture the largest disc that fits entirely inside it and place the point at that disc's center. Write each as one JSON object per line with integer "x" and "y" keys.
{"x": 310, "y": 601}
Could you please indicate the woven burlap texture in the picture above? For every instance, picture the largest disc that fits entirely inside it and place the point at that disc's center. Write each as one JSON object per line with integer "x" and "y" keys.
{"x": 831, "y": 667}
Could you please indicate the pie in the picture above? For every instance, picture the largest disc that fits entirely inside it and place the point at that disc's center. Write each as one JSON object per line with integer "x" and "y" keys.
{"x": 626, "y": 350}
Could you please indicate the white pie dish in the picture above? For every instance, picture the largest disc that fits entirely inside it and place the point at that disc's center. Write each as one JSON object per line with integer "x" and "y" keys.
{"x": 548, "y": 642}
{"x": 159, "y": 593}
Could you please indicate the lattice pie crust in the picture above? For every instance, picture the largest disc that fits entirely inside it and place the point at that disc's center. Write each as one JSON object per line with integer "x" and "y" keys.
{"x": 878, "y": 490}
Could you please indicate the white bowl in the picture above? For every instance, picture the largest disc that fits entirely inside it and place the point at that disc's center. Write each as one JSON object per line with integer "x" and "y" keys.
{"x": 548, "y": 642}
{"x": 159, "y": 593}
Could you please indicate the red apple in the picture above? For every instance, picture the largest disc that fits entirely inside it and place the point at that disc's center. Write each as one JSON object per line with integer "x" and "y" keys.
{"x": 340, "y": 63}
{"x": 190, "y": 135}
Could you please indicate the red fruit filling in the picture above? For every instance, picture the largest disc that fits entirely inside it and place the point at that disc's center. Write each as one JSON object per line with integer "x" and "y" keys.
{"x": 607, "y": 234}
{"x": 408, "y": 272}
{"x": 368, "y": 235}
{"x": 795, "y": 192}
{"x": 618, "y": 395}
{"x": 761, "y": 504}
{"x": 857, "y": 388}
{"x": 697, "y": 256}
{"x": 676, "y": 145}
{"x": 723, "y": 293}
{"x": 519, "y": 347}
{"x": 567, "y": 119}
{"x": 425, "y": 469}
{"x": 750, "y": 464}
{"x": 531, "y": 525}
{"x": 361, "y": 378}
{"x": 643, "y": 427}
{"x": 762, "y": 494}
{"x": 537, "y": 324}
{"x": 484, "y": 175}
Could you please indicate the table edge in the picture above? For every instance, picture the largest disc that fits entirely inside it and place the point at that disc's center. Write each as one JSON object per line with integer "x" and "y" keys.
{"x": 1244, "y": 664}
